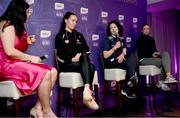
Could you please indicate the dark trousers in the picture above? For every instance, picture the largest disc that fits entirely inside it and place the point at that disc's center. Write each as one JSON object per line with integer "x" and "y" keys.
{"x": 129, "y": 65}
{"x": 84, "y": 67}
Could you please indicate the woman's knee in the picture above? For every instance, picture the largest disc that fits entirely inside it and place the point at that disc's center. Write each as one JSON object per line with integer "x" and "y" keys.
{"x": 164, "y": 53}
{"x": 47, "y": 76}
{"x": 54, "y": 72}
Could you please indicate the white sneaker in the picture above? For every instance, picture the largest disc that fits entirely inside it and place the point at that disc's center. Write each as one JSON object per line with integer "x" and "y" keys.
{"x": 163, "y": 86}
{"x": 170, "y": 80}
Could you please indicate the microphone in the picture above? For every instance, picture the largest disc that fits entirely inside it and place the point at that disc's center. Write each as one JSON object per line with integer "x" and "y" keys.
{"x": 44, "y": 57}
{"x": 119, "y": 38}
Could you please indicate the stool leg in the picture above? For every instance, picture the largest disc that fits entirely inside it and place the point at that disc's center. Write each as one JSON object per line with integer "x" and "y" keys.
{"x": 118, "y": 91}
{"x": 59, "y": 102}
{"x": 105, "y": 92}
{"x": 96, "y": 93}
{"x": 154, "y": 90}
{"x": 148, "y": 86}
{"x": 75, "y": 103}
{"x": 97, "y": 96}
{"x": 17, "y": 107}
{"x": 177, "y": 87}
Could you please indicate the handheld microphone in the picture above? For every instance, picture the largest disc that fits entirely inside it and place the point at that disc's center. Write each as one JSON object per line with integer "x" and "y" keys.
{"x": 44, "y": 57}
{"x": 119, "y": 38}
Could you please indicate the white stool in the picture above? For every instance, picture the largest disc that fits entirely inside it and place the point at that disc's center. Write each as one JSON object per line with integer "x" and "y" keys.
{"x": 73, "y": 80}
{"x": 9, "y": 90}
{"x": 114, "y": 74}
{"x": 151, "y": 72}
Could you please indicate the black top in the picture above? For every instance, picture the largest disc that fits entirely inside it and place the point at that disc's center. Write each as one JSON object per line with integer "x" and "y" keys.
{"x": 69, "y": 44}
{"x": 109, "y": 44}
{"x": 145, "y": 46}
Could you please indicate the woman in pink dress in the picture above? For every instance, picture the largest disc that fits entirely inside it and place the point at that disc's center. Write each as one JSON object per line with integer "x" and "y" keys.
{"x": 26, "y": 71}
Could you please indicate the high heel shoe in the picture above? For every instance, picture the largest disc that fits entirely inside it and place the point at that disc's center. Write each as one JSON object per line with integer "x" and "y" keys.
{"x": 33, "y": 113}
{"x": 36, "y": 113}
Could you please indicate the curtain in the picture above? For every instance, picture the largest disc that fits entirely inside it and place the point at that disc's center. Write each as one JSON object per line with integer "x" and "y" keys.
{"x": 165, "y": 28}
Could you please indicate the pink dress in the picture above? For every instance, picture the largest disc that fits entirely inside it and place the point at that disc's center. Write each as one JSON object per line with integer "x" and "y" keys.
{"x": 26, "y": 76}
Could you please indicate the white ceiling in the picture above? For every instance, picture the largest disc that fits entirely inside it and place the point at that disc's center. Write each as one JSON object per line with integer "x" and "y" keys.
{"x": 153, "y": 1}
{"x": 160, "y": 5}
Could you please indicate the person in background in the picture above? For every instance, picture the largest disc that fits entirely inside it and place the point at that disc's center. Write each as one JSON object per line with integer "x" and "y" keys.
{"x": 25, "y": 70}
{"x": 116, "y": 56}
{"x": 148, "y": 55}
{"x": 72, "y": 52}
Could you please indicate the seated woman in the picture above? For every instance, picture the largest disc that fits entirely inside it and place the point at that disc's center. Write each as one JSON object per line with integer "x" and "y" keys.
{"x": 116, "y": 56}
{"x": 72, "y": 50}
{"x": 26, "y": 71}
{"x": 148, "y": 55}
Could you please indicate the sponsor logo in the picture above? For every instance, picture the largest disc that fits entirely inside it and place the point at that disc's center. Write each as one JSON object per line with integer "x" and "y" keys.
{"x": 60, "y": 14}
{"x": 135, "y": 20}
{"x": 45, "y": 42}
{"x": 122, "y": 23}
{"x": 134, "y": 25}
{"x": 84, "y": 18}
{"x": 121, "y": 17}
{"x": 95, "y": 44}
{"x": 45, "y": 33}
{"x": 128, "y": 39}
{"x": 104, "y": 14}
{"x": 58, "y": 6}
{"x": 104, "y": 21}
{"x": 30, "y": 2}
{"x": 95, "y": 37}
{"x": 128, "y": 45}
{"x": 83, "y": 10}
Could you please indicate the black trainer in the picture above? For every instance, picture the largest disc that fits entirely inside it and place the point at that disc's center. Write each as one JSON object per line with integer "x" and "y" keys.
{"x": 133, "y": 81}
{"x": 128, "y": 94}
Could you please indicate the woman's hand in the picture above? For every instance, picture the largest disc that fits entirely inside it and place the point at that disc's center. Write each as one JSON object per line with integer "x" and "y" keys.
{"x": 117, "y": 45}
{"x": 31, "y": 39}
{"x": 156, "y": 54}
{"x": 76, "y": 58}
{"x": 35, "y": 59}
{"x": 120, "y": 58}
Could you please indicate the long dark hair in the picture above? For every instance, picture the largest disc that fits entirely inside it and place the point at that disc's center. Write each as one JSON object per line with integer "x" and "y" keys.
{"x": 63, "y": 24}
{"x": 16, "y": 15}
{"x": 120, "y": 28}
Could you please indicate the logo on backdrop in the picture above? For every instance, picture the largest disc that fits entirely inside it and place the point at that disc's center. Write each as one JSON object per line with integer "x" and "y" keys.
{"x": 84, "y": 12}
{"x": 59, "y": 7}
{"x": 121, "y": 19}
{"x": 128, "y": 42}
{"x": 95, "y": 37}
{"x": 104, "y": 16}
{"x": 128, "y": 39}
{"x": 45, "y": 34}
{"x": 135, "y": 21}
{"x": 30, "y": 2}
